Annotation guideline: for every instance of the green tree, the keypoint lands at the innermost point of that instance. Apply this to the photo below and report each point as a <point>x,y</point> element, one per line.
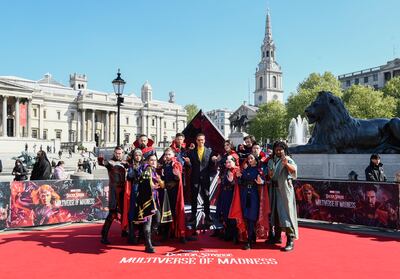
<point>365,103</point>
<point>269,122</point>
<point>392,88</point>
<point>307,91</point>
<point>191,110</point>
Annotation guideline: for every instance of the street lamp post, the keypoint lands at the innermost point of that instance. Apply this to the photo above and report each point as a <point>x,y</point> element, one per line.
<point>118,84</point>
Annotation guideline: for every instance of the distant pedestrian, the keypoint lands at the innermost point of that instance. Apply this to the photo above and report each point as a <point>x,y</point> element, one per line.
<point>59,154</point>
<point>41,148</point>
<point>59,172</point>
<point>70,153</point>
<point>19,171</point>
<point>374,172</point>
<point>80,165</point>
<point>42,168</point>
<point>26,147</point>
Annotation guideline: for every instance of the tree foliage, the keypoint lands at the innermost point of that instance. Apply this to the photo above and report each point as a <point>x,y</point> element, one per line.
<point>191,110</point>
<point>392,88</point>
<point>269,122</point>
<point>365,103</point>
<point>307,91</point>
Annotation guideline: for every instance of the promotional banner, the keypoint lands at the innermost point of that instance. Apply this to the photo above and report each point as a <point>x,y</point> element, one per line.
<point>35,203</point>
<point>4,204</point>
<point>23,114</point>
<point>362,203</point>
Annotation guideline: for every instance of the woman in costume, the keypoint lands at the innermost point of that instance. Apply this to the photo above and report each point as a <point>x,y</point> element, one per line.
<point>148,204</point>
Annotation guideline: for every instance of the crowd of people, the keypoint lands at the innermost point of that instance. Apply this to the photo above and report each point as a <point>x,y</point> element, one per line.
<point>255,196</point>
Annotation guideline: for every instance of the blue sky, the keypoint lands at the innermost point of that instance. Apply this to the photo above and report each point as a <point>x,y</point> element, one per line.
<point>206,51</point>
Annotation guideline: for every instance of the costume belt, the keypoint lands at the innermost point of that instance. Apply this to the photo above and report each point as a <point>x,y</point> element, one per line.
<point>171,184</point>
<point>249,185</point>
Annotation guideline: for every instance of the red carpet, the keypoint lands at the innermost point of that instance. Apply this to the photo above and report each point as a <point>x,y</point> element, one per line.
<point>75,252</point>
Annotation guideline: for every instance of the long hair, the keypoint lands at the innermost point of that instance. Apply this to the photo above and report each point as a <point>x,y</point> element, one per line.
<point>282,145</point>
<point>42,188</point>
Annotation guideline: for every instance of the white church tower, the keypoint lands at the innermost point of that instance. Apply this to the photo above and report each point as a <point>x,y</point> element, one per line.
<point>268,73</point>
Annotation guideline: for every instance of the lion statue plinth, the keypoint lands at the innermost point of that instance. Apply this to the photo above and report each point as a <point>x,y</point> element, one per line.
<point>335,131</point>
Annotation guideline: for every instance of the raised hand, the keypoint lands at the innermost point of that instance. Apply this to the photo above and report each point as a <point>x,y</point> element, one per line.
<point>259,180</point>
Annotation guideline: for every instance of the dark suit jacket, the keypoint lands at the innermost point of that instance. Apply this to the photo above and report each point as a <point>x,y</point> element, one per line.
<point>200,170</point>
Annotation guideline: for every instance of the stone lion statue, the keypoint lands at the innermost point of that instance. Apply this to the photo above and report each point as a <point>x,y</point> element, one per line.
<point>335,131</point>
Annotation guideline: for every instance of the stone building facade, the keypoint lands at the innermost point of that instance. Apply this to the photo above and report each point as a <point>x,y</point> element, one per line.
<point>48,113</point>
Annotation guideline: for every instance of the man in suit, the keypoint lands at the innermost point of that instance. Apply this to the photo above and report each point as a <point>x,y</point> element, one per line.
<point>201,163</point>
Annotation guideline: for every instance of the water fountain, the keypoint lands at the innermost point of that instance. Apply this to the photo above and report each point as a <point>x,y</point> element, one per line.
<point>298,131</point>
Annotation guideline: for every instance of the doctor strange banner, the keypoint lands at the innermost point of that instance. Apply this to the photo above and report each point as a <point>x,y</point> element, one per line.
<point>361,203</point>
<point>35,203</point>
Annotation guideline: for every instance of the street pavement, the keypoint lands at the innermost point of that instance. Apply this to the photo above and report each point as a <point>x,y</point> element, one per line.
<point>71,165</point>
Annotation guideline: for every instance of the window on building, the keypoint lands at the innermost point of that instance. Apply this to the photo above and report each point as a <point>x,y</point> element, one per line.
<point>267,53</point>
<point>34,112</point>
<point>58,134</point>
<point>357,81</point>
<point>153,122</point>
<point>35,133</point>
<point>126,136</point>
<point>275,97</point>
<point>274,81</point>
<point>348,82</point>
<point>137,121</point>
<point>173,125</point>
<point>165,124</point>
<point>365,79</point>
<point>375,77</point>
<point>45,134</point>
<point>375,86</point>
<point>127,121</point>
<point>260,98</point>
<point>45,114</point>
<point>261,85</point>
<point>73,116</point>
<point>387,76</point>
<point>58,115</point>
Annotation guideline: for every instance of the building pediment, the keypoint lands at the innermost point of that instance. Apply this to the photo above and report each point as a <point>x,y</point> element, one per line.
<point>249,111</point>
<point>11,86</point>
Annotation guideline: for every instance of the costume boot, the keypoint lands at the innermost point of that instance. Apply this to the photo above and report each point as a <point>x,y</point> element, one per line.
<point>215,233</point>
<point>289,243</point>
<point>247,246</point>
<point>104,231</point>
<point>147,242</point>
<point>132,236</point>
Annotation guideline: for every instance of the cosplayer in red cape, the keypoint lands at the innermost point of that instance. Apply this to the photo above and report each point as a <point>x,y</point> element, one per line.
<point>149,210</point>
<point>172,177</point>
<point>228,180</point>
<point>131,193</point>
<point>145,145</point>
<point>116,168</point>
<point>250,205</point>
<point>229,151</point>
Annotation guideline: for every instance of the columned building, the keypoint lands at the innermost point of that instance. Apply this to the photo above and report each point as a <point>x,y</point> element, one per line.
<point>375,77</point>
<point>47,113</point>
<point>268,77</point>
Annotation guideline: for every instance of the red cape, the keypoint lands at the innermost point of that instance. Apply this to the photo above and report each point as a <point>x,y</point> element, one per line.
<point>127,199</point>
<point>179,220</point>
<point>262,225</point>
<point>175,148</point>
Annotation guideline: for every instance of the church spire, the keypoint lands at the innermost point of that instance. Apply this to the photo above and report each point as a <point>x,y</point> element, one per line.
<point>268,30</point>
